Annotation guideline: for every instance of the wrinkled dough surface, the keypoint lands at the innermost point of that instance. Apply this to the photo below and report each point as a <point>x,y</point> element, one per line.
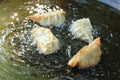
<point>45,40</point>
<point>87,56</point>
<point>82,29</point>
<point>51,18</point>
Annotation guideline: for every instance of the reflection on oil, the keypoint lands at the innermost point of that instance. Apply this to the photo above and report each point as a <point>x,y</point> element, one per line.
<point>19,57</point>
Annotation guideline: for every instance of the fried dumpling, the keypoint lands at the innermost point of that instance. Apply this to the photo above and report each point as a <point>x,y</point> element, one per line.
<point>54,18</point>
<point>46,42</point>
<point>82,29</point>
<point>88,56</point>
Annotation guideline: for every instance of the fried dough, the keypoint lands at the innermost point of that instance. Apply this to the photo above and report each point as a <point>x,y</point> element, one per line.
<point>53,18</point>
<point>87,56</point>
<point>45,40</point>
<point>82,29</point>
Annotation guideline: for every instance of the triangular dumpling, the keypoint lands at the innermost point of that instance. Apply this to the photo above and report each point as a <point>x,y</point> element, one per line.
<point>46,42</point>
<point>52,18</point>
<point>82,29</point>
<point>87,56</point>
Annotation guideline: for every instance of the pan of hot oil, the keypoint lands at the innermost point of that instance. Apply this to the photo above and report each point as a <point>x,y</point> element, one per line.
<point>21,58</point>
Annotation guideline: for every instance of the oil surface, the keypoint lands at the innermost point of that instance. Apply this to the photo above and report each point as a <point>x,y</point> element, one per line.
<point>20,60</point>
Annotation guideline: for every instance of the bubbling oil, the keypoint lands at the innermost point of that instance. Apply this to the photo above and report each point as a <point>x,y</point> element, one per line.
<point>20,57</point>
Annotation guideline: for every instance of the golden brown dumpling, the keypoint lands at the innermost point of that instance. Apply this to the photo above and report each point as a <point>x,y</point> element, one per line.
<point>46,42</point>
<point>82,29</point>
<point>53,18</point>
<point>87,56</point>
